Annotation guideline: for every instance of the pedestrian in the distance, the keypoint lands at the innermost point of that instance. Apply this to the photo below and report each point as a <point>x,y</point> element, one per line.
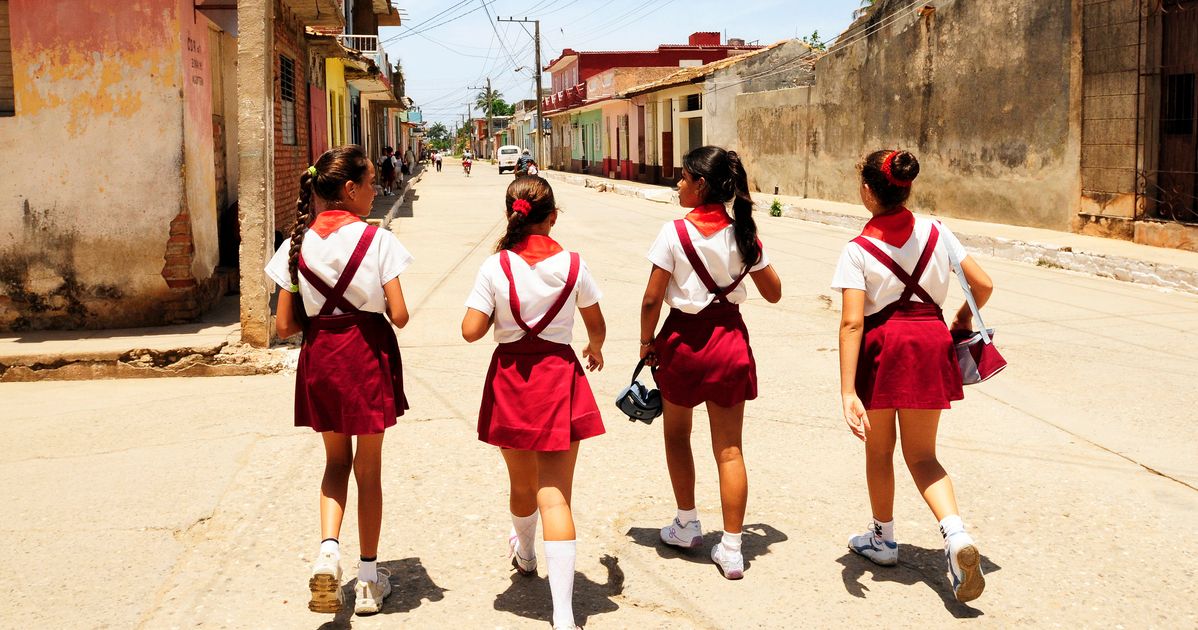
<point>340,281</point>
<point>386,171</point>
<point>537,404</point>
<point>437,159</point>
<point>702,351</point>
<point>897,358</point>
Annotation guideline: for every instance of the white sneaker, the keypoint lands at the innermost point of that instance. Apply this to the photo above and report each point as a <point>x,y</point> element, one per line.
<point>964,567</point>
<point>872,546</point>
<point>369,596</point>
<point>686,536</point>
<point>522,566</point>
<point>730,563</point>
<point>325,585</point>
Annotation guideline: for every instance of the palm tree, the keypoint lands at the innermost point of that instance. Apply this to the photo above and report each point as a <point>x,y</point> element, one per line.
<point>866,5</point>
<point>489,101</point>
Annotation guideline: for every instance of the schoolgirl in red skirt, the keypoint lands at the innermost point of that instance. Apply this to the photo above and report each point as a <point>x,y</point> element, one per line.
<point>898,366</point>
<point>702,352</point>
<point>340,281</point>
<point>537,405</point>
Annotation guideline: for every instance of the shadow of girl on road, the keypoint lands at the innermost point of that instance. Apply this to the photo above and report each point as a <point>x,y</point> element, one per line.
<point>755,542</point>
<point>918,565</point>
<point>530,598</point>
<point>410,586</point>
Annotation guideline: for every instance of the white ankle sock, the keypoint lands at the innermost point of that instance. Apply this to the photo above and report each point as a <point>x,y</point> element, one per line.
<point>525,529</point>
<point>368,571</point>
<point>330,545</point>
<point>688,516</point>
<point>731,542</point>
<point>950,525</point>
<point>560,554</point>
<point>887,529</point>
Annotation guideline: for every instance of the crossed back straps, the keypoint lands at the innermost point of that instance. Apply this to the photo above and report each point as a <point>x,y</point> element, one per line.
<point>910,280</point>
<point>721,295</point>
<point>514,299</point>
<point>334,296</point>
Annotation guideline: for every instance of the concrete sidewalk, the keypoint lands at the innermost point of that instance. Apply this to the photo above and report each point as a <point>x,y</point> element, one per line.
<point>1104,257</point>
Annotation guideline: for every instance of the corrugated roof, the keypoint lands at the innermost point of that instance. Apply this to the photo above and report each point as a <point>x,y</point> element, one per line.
<point>694,73</point>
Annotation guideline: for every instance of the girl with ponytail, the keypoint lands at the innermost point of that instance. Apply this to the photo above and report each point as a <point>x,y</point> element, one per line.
<point>537,404</point>
<point>702,351</point>
<point>339,281</point>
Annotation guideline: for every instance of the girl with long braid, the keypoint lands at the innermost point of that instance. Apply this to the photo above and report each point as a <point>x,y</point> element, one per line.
<point>537,405</point>
<point>702,351</point>
<point>340,286</point>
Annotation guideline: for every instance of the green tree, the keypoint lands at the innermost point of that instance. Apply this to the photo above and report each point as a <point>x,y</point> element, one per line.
<point>438,136</point>
<point>498,107</point>
<point>813,40</point>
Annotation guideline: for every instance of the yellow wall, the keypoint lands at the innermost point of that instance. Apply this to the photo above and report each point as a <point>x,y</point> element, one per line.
<point>338,95</point>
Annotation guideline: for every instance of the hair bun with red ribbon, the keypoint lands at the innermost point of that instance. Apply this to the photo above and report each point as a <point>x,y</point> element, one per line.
<point>887,166</point>
<point>522,206</point>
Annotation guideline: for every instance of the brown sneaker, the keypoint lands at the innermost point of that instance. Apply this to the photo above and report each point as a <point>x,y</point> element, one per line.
<point>325,585</point>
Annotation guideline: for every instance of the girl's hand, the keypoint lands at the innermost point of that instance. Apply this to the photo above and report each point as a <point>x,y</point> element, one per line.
<point>855,416</point>
<point>594,356</point>
<point>963,321</point>
<point>648,355</point>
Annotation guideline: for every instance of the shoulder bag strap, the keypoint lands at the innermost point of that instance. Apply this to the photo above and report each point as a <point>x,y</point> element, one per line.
<point>973,305</point>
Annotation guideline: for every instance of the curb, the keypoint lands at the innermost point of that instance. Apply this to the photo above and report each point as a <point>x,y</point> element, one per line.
<point>220,360</point>
<point>1039,254</point>
<point>400,199</point>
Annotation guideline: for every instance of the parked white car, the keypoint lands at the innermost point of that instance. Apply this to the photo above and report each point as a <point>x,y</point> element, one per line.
<point>508,154</point>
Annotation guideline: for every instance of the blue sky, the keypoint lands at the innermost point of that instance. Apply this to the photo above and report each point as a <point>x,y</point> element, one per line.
<point>443,55</point>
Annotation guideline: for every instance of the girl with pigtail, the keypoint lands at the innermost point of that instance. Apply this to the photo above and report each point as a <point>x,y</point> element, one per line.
<point>340,287</point>
<point>702,352</point>
<point>537,404</point>
<point>898,367</point>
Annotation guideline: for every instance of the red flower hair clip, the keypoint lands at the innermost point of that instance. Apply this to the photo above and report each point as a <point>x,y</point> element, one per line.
<point>522,206</point>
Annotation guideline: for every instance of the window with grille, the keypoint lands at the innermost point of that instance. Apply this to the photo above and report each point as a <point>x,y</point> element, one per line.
<point>694,102</point>
<point>287,94</point>
<point>7,96</point>
<point>1177,111</point>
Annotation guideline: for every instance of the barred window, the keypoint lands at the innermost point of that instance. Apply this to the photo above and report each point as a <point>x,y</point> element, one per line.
<point>287,94</point>
<point>7,96</point>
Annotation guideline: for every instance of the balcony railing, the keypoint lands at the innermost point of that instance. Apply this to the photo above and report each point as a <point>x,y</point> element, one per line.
<point>569,97</point>
<point>365,44</point>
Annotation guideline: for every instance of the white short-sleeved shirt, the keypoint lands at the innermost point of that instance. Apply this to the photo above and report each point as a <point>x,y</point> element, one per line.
<point>858,269</point>
<point>686,292</point>
<point>385,259</point>
<point>538,287</point>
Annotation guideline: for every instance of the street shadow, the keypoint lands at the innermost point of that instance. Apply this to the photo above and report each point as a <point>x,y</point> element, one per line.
<point>917,566</point>
<point>529,596</point>
<point>407,208</point>
<point>410,587</point>
<point>755,541</point>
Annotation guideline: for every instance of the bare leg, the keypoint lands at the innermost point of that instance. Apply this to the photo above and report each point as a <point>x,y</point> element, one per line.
<point>369,477</point>
<point>918,428</point>
<point>522,477</point>
<point>726,428</point>
<point>555,479</point>
<point>338,462</point>
<point>879,463</point>
<point>680,461</point>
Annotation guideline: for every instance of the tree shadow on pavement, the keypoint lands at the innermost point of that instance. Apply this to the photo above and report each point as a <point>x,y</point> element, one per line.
<point>918,565</point>
<point>755,542</point>
<point>529,596</point>
<point>410,586</point>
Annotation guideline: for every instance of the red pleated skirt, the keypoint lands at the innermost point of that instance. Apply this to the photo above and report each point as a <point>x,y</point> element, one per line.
<point>350,376</point>
<point>907,360</point>
<point>705,357</point>
<point>537,398</point>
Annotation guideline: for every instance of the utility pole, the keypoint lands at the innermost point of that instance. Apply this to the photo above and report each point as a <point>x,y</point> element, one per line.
<point>490,100</point>
<point>540,133</point>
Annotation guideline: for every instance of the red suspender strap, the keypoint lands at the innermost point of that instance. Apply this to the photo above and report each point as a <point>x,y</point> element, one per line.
<point>335,296</point>
<point>700,268</point>
<point>910,280</point>
<point>514,299</point>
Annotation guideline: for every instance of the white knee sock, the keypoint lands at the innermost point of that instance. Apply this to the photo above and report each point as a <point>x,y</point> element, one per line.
<point>525,529</point>
<point>560,554</point>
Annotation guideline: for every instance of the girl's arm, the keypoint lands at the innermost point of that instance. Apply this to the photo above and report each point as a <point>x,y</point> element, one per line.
<point>768,284</point>
<point>475,325</point>
<point>286,323</point>
<point>852,324</point>
<point>596,334</point>
<point>982,287</point>
<point>655,294</point>
<point>397,309</point>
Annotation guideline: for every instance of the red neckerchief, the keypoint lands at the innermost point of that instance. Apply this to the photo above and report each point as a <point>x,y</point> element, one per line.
<point>330,221</point>
<point>536,248</point>
<point>709,218</point>
<point>893,228</point>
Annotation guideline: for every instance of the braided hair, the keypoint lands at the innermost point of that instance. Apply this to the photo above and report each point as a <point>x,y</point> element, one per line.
<point>727,181</point>
<point>324,180</point>
<point>538,195</point>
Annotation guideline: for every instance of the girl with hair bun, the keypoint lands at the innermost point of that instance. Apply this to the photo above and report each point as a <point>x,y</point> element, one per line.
<point>537,404</point>
<point>702,351</point>
<point>897,358</point>
<point>339,280</point>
